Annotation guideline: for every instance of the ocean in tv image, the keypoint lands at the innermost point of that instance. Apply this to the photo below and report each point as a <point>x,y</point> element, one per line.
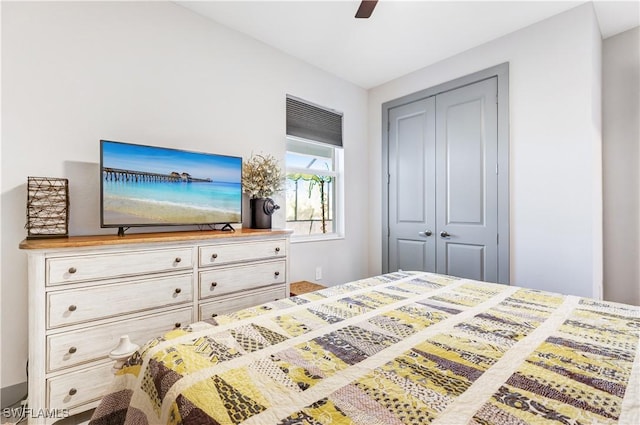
<point>150,185</point>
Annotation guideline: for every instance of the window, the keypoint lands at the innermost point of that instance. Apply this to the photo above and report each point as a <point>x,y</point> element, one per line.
<point>314,171</point>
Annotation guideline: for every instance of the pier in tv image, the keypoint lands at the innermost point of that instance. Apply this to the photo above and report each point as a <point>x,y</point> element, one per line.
<point>149,185</point>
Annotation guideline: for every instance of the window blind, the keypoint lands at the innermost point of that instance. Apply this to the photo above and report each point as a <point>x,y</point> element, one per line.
<point>311,122</point>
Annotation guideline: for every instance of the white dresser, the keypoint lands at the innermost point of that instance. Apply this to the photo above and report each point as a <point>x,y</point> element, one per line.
<point>87,291</point>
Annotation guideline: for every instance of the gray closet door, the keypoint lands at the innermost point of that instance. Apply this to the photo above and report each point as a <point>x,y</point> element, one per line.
<point>412,186</point>
<point>443,188</point>
<point>467,181</point>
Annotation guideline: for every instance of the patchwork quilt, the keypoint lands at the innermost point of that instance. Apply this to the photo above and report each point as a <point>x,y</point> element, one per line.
<point>401,348</point>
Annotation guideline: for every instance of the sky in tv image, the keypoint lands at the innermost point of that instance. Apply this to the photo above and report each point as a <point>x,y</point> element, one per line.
<point>158,160</point>
<point>145,196</point>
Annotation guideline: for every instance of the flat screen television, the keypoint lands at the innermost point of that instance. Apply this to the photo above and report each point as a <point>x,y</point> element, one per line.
<point>155,186</point>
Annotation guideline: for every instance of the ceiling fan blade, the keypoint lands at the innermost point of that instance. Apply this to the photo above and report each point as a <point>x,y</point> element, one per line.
<point>366,8</point>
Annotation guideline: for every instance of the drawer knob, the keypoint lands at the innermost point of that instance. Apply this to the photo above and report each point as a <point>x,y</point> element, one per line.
<point>214,314</point>
<point>178,259</point>
<point>72,307</point>
<point>178,290</point>
<point>72,270</point>
<point>73,391</point>
<point>277,274</point>
<point>277,249</point>
<point>214,284</point>
<point>72,350</point>
<point>214,256</point>
<point>178,325</point>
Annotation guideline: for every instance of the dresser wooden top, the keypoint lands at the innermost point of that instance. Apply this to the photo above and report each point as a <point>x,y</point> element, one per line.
<point>134,238</point>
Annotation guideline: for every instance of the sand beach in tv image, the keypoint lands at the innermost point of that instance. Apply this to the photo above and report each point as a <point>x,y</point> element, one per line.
<point>144,185</point>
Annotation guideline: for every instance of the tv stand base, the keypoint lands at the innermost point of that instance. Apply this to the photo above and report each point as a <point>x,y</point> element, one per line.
<point>228,228</point>
<point>121,231</point>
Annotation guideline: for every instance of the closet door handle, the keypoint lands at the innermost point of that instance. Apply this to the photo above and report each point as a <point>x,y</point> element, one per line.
<point>426,233</point>
<point>444,234</point>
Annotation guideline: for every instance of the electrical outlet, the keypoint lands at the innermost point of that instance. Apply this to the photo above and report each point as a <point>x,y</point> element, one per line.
<point>318,273</point>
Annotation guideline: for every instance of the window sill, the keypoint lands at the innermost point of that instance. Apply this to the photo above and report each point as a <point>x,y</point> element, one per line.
<point>316,238</point>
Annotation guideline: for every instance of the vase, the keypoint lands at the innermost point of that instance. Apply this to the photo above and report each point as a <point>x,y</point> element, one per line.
<point>261,211</point>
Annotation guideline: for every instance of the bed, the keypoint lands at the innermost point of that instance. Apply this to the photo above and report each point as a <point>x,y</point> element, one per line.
<point>401,348</point>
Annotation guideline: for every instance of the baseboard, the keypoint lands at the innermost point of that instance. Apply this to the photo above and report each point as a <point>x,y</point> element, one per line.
<point>13,394</point>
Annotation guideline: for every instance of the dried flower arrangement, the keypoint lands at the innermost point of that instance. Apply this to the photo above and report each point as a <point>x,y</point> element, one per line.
<point>261,176</point>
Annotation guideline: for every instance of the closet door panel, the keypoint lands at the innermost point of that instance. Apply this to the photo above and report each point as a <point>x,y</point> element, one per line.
<point>466,181</point>
<point>411,186</point>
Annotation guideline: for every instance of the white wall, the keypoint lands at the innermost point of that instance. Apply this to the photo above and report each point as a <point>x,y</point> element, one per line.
<point>2,402</point>
<point>621,159</point>
<point>555,194</point>
<point>150,73</point>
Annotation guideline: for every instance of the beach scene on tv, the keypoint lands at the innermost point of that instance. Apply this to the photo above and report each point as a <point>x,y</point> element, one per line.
<point>146,185</point>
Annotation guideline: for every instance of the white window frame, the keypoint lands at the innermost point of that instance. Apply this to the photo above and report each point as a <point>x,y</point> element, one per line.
<point>338,192</point>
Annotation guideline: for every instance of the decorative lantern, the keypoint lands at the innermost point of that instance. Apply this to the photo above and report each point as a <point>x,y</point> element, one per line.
<point>47,207</point>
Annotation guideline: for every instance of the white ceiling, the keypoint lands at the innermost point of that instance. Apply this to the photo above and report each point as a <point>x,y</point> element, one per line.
<point>400,37</point>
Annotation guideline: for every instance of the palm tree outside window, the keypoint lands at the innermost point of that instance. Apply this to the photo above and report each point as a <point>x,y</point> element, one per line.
<point>313,175</point>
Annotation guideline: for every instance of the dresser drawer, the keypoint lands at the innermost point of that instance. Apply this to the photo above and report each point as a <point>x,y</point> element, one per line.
<point>75,269</point>
<point>225,280</point>
<point>230,253</point>
<point>80,305</point>
<point>212,309</point>
<point>76,347</point>
<point>77,388</point>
